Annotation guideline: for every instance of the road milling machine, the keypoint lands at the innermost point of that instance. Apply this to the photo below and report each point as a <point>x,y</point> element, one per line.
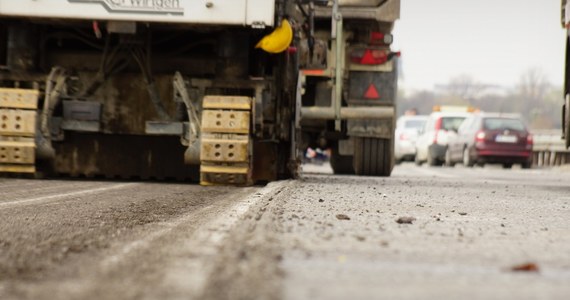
<point>220,91</point>
<point>565,21</point>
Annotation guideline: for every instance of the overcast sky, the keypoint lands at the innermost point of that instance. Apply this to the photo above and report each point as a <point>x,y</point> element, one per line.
<point>492,40</point>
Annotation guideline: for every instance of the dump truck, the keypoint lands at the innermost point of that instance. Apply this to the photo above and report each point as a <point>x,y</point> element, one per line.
<point>219,91</point>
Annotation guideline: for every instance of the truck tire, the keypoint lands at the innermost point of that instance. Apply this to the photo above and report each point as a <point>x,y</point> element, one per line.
<point>417,160</point>
<point>341,164</point>
<point>373,156</point>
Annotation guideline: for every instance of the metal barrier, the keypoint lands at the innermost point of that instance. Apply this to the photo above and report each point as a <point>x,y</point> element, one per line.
<point>548,149</point>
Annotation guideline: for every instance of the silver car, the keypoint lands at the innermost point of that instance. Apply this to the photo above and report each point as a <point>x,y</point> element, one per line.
<point>440,127</point>
<point>407,129</point>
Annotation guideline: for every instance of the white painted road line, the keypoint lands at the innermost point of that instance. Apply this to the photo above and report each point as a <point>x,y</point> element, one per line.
<point>64,195</point>
<point>432,172</point>
<point>186,274</point>
<point>212,233</point>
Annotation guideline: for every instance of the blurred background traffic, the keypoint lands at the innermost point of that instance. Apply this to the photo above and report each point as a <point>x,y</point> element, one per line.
<point>507,67</point>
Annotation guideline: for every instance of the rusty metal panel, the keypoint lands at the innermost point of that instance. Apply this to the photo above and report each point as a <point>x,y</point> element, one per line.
<point>84,126</point>
<point>18,98</point>
<point>16,122</point>
<point>227,102</point>
<point>81,110</point>
<point>383,128</point>
<point>12,152</point>
<point>164,128</point>
<point>265,161</point>
<point>232,149</point>
<point>225,121</point>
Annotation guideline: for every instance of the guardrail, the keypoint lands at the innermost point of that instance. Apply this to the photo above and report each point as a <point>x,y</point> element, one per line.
<point>548,149</point>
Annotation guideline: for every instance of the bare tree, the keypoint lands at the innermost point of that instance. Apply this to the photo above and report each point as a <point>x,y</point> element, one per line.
<point>464,87</point>
<point>533,85</point>
<point>531,90</point>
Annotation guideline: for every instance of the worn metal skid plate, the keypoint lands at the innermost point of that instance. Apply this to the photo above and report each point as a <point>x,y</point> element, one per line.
<point>225,141</point>
<point>17,122</point>
<point>17,130</point>
<point>224,148</point>
<point>212,174</point>
<point>18,98</point>
<point>11,168</point>
<point>223,121</point>
<point>13,152</point>
<point>227,102</point>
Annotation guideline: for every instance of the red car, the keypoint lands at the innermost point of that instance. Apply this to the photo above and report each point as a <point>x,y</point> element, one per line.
<point>491,138</point>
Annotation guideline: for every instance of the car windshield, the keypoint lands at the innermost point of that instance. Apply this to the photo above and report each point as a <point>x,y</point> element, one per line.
<point>503,124</point>
<point>414,124</point>
<point>451,123</point>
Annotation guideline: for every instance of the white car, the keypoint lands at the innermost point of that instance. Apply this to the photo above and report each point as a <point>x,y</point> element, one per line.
<point>434,137</point>
<point>407,129</point>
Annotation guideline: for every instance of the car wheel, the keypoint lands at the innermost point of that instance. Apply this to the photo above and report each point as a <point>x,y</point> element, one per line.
<point>507,166</point>
<point>432,161</point>
<point>526,165</point>
<point>467,161</point>
<point>417,160</point>
<point>448,161</point>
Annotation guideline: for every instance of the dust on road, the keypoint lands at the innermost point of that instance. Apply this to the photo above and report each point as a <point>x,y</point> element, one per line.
<point>424,233</point>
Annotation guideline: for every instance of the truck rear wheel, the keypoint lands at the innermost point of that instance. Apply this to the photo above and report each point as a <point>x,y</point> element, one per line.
<point>341,164</point>
<point>373,156</point>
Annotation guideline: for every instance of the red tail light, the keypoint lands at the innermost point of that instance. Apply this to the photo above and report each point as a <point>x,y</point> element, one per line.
<point>371,92</point>
<point>403,137</point>
<point>369,56</point>
<point>438,124</point>
<point>480,136</point>
<point>529,140</point>
<point>379,38</point>
<point>437,129</point>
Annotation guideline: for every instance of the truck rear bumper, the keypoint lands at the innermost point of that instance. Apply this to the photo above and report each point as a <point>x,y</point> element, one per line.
<point>347,113</point>
<point>389,11</point>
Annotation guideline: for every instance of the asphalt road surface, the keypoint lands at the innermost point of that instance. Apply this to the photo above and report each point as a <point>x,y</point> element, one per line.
<point>424,233</point>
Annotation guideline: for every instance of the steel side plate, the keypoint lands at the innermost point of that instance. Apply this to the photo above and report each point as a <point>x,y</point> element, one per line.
<point>18,98</point>
<point>223,121</point>
<point>17,122</point>
<point>227,102</point>
<point>224,150</point>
